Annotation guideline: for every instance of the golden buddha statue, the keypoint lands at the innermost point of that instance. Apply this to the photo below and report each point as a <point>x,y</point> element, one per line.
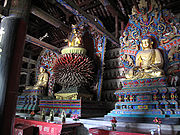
<point>42,80</point>
<point>74,38</point>
<point>75,44</point>
<point>149,62</point>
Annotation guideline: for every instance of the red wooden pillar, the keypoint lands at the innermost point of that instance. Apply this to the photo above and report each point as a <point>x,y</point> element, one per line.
<point>12,38</point>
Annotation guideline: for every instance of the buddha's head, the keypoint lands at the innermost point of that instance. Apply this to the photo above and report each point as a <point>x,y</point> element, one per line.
<point>74,28</point>
<point>42,69</point>
<point>146,43</point>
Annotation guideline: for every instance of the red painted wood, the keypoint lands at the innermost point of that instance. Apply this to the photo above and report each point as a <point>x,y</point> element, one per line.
<point>46,128</point>
<point>23,130</point>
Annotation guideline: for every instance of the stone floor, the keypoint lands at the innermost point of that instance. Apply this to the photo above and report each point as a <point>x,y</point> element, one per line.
<point>99,122</point>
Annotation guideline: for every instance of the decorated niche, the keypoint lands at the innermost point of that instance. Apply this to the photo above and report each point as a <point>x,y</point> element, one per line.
<point>46,59</point>
<point>160,26</point>
<point>73,69</point>
<point>74,65</point>
<point>146,46</point>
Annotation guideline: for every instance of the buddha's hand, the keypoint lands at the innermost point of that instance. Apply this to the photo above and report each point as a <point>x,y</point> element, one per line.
<point>149,66</point>
<point>136,68</point>
<point>155,65</point>
<point>66,40</point>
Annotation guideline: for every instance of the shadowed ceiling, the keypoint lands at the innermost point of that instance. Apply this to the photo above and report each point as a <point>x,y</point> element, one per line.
<point>111,12</point>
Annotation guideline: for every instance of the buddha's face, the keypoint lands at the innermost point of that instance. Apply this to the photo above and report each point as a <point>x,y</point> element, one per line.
<point>74,31</point>
<point>41,69</point>
<point>146,43</point>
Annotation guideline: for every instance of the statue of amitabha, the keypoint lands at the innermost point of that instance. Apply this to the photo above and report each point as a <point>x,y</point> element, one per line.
<point>149,62</point>
<point>42,80</point>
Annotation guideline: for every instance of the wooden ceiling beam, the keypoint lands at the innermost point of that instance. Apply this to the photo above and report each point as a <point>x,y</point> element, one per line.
<point>28,60</point>
<point>122,7</point>
<point>92,22</point>
<point>67,12</point>
<point>112,9</point>
<point>90,6</point>
<point>42,44</point>
<point>172,4</point>
<point>48,18</point>
<point>46,26</point>
<point>102,10</point>
<point>115,13</point>
<point>87,2</point>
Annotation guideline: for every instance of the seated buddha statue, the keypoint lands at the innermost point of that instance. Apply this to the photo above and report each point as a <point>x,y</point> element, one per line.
<point>42,80</point>
<point>74,38</point>
<point>149,62</point>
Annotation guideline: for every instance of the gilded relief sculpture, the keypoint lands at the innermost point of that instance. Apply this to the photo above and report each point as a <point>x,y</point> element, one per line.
<point>173,51</point>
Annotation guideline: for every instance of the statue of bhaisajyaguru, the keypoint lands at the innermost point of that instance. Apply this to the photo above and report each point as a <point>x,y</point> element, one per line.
<point>149,62</point>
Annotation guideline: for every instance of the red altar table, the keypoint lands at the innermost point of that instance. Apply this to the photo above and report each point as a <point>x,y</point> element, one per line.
<point>46,128</point>
<point>118,131</point>
<point>20,129</point>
